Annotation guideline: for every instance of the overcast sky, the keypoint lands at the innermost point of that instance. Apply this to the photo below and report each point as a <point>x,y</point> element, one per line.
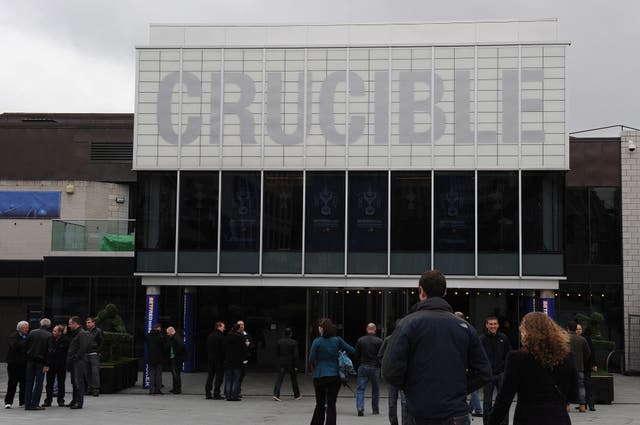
<point>78,55</point>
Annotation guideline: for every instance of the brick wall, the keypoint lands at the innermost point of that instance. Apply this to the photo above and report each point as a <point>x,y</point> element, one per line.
<point>631,246</point>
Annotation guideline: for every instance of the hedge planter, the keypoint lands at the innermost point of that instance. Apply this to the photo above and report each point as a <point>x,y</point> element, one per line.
<point>118,375</point>
<point>602,388</point>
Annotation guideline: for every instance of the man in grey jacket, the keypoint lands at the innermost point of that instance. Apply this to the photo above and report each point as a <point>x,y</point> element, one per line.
<point>93,356</point>
<point>77,361</point>
<point>580,349</point>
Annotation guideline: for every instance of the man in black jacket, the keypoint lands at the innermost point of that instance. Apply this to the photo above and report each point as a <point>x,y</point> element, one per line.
<point>435,357</point>
<point>158,353</point>
<point>497,346</point>
<point>287,353</point>
<point>93,376</point>
<point>177,354</point>
<point>367,348</point>
<point>77,361</point>
<point>235,353</point>
<point>39,343</point>
<point>16,363</point>
<point>57,366</point>
<point>215,362</point>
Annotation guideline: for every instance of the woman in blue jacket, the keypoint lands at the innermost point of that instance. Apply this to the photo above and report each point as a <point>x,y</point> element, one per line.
<point>326,380</point>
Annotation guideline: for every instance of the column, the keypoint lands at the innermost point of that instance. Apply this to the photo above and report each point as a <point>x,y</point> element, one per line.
<point>152,311</point>
<point>188,315</point>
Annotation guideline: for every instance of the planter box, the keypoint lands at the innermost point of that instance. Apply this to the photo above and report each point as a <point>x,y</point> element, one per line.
<point>602,388</point>
<point>118,376</point>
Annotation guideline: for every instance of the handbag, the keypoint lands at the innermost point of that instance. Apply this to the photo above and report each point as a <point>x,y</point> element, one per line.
<point>345,366</point>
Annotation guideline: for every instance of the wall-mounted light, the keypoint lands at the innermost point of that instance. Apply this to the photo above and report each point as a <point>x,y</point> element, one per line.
<point>120,199</point>
<point>70,188</point>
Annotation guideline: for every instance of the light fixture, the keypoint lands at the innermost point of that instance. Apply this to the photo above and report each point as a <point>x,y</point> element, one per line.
<point>70,188</point>
<point>120,199</point>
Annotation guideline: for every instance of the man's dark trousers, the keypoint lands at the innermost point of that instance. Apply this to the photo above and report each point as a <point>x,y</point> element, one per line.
<point>214,370</point>
<point>33,381</point>
<point>16,376</point>
<point>58,373</point>
<point>294,380</point>
<point>487,402</point>
<point>78,372</point>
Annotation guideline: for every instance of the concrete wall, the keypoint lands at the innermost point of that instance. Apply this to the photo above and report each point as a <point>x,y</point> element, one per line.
<point>30,239</point>
<point>631,249</point>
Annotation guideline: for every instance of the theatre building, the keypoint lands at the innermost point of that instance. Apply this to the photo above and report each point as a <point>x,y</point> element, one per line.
<point>287,173</point>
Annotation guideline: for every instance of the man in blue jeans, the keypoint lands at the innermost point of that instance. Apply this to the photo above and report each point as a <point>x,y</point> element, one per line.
<point>367,349</point>
<point>39,343</point>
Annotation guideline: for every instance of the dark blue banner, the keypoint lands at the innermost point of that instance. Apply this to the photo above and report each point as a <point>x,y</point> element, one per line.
<point>22,204</point>
<point>368,201</point>
<point>454,210</point>
<point>240,211</point>
<point>325,212</point>
<point>187,325</point>
<point>152,314</point>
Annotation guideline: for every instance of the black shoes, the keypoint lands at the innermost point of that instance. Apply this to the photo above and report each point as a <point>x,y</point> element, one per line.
<point>35,408</point>
<point>75,406</point>
<point>360,412</point>
<point>592,408</point>
<point>46,404</point>
<point>218,397</point>
<point>96,393</point>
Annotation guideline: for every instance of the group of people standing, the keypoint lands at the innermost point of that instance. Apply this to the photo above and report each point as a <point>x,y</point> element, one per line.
<point>41,352</point>
<point>434,359</point>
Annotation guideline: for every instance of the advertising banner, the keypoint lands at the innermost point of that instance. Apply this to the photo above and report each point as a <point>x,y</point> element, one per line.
<point>151,317</point>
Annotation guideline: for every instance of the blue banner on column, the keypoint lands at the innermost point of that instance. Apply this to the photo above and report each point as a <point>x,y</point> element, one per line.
<point>188,314</point>
<point>548,307</point>
<point>151,317</point>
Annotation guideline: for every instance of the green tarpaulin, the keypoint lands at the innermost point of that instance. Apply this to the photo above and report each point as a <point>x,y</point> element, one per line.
<point>117,242</point>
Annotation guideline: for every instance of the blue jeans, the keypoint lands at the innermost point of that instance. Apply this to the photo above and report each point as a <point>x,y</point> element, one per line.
<point>366,373</point>
<point>474,402</point>
<point>407,419</point>
<point>582,394</point>
<point>232,383</point>
<point>33,388</point>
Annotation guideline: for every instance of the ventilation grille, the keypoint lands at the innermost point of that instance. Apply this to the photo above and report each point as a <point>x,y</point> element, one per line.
<point>109,151</point>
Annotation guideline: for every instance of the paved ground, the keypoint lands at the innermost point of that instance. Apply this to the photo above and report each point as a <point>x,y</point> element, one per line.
<point>135,407</point>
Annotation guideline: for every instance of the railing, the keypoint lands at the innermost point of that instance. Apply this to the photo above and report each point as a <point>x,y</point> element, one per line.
<point>95,236</point>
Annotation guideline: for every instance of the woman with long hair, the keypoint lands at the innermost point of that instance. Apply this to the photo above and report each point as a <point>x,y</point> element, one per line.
<point>326,380</point>
<point>543,373</point>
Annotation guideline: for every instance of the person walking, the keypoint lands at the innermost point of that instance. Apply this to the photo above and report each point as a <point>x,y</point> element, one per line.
<point>57,366</point>
<point>177,354</point>
<point>77,361</point>
<point>157,352</point>
<point>16,364</point>
<point>367,348</point>
<point>475,407</point>
<point>393,393</point>
<point>215,362</point>
<point>497,346</point>
<point>589,367</point>
<point>39,344</point>
<point>287,353</point>
<point>436,358</point>
<point>323,355</point>
<point>580,349</point>
<point>235,353</point>
<point>95,346</point>
<point>543,373</point>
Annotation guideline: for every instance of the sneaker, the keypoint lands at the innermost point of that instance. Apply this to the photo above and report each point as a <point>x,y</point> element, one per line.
<point>298,398</point>
<point>360,412</point>
<point>7,406</point>
<point>477,414</point>
<point>276,398</point>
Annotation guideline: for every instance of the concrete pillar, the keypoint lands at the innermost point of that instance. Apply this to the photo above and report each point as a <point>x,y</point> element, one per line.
<point>188,318</point>
<point>152,312</point>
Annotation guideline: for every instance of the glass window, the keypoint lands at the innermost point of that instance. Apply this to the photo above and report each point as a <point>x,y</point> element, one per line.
<point>368,222</point>
<point>605,228</point>
<point>240,232</point>
<point>410,222</point>
<point>324,228</point>
<point>282,222</point>
<point>454,223</point>
<point>498,223</point>
<point>576,228</point>
<point>542,210</point>
<point>156,222</point>
<point>198,229</point>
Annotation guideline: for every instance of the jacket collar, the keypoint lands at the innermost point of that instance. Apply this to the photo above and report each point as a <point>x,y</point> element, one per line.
<point>435,303</point>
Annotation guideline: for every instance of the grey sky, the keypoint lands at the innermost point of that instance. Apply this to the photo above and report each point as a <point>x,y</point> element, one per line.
<point>78,55</point>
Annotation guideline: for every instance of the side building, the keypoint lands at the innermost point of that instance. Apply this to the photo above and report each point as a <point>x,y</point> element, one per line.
<point>66,188</point>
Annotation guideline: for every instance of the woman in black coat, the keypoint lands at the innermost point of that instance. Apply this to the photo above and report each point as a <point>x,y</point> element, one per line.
<point>542,372</point>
